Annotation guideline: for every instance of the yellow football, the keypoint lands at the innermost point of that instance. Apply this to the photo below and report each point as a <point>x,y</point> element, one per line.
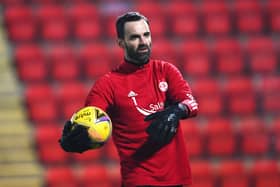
<point>96,120</point>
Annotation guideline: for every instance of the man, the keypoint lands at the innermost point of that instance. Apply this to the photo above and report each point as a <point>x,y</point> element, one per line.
<point>145,99</point>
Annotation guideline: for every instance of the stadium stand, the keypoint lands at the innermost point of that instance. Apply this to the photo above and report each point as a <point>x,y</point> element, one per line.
<point>203,174</point>
<point>228,50</point>
<point>233,173</point>
<point>265,173</point>
<point>220,138</point>
<point>194,139</point>
<point>19,166</point>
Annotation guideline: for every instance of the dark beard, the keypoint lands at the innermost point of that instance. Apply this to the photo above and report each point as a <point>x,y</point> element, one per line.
<point>138,58</point>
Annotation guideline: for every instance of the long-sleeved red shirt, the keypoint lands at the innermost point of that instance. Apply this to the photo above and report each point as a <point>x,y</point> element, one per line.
<point>130,93</point>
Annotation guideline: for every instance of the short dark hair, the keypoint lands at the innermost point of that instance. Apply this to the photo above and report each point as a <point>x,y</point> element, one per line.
<point>129,16</point>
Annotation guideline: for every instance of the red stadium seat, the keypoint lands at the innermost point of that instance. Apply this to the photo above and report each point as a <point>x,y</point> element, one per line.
<point>179,8</point>
<point>95,68</point>
<point>33,71</point>
<point>50,12</point>
<point>275,133</point>
<point>156,18</point>
<point>65,70</point>
<point>266,173</point>
<point>12,3</point>
<point>70,107</point>
<point>48,148</point>
<point>216,18</point>
<point>35,93</point>
<point>96,60</point>
<point>85,18</point>
<point>70,91</point>
<point>83,11</point>
<point>233,173</point>
<point>196,65</point>
<point>262,55</point>
<point>59,176</point>
<point>47,134</point>
<point>20,22</point>
<point>55,30</point>
<point>194,138</point>
<point>207,91</point>
<point>31,63</point>
<point>28,52</point>
<point>259,44</point>
<point>185,26</point>
<point>269,84</point>
<point>206,86</point>
<point>238,85</point>
<point>148,9</point>
<point>23,31</point>
<point>196,60</point>
<point>41,103</point>
<point>229,57</point>
<point>87,30</point>
<point>158,27</point>
<point>273,7</point>
<point>63,64</point>
<point>275,22</point>
<point>183,18</point>
<point>224,46</point>
<point>95,174</point>
<point>92,51</point>
<point>165,50</point>
<point>17,14</point>
<point>248,16</point>
<point>254,130</point>
<point>203,174</point>
<point>44,111</point>
<point>243,105</point>
<point>109,27</point>
<point>220,138</point>
<point>71,97</point>
<point>211,105</point>
<point>61,52</point>
<point>52,154</point>
<point>49,124</point>
<point>271,104</point>
<point>43,2</point>
<point>54,23</point>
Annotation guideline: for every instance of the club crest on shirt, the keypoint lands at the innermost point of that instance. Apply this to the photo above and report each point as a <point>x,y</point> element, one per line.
<point>163,86</point>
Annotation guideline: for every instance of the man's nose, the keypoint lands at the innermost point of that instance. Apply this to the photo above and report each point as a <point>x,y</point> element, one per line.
<point>143,40</point>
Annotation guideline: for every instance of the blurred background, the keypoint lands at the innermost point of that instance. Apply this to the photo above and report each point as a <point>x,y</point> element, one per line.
<point>52,51</point>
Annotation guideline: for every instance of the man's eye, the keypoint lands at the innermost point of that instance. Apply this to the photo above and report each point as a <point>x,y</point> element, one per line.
<point>147,34</point>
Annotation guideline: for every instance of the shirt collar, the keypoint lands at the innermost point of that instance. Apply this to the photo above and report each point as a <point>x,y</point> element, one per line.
<point>127,67</point>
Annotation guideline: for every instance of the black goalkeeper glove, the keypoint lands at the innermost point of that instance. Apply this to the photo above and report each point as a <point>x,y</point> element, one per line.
<point>165,123</point>
<point>76,139</point>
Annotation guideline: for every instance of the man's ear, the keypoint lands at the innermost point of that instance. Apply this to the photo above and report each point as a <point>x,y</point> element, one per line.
<point>120,43</point>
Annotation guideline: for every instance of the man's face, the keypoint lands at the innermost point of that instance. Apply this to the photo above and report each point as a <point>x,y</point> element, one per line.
<point>137,42</point>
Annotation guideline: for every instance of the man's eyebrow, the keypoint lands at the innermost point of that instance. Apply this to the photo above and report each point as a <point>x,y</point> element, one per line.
<point>134,35</point>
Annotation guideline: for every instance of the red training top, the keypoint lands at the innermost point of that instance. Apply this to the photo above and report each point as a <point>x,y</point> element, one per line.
<point>130,93</point>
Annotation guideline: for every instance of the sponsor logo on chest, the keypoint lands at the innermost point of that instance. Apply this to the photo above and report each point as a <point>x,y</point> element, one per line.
<point>153,107</point>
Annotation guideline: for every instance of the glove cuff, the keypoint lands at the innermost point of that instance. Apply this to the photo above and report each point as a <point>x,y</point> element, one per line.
<point>191,105</point>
